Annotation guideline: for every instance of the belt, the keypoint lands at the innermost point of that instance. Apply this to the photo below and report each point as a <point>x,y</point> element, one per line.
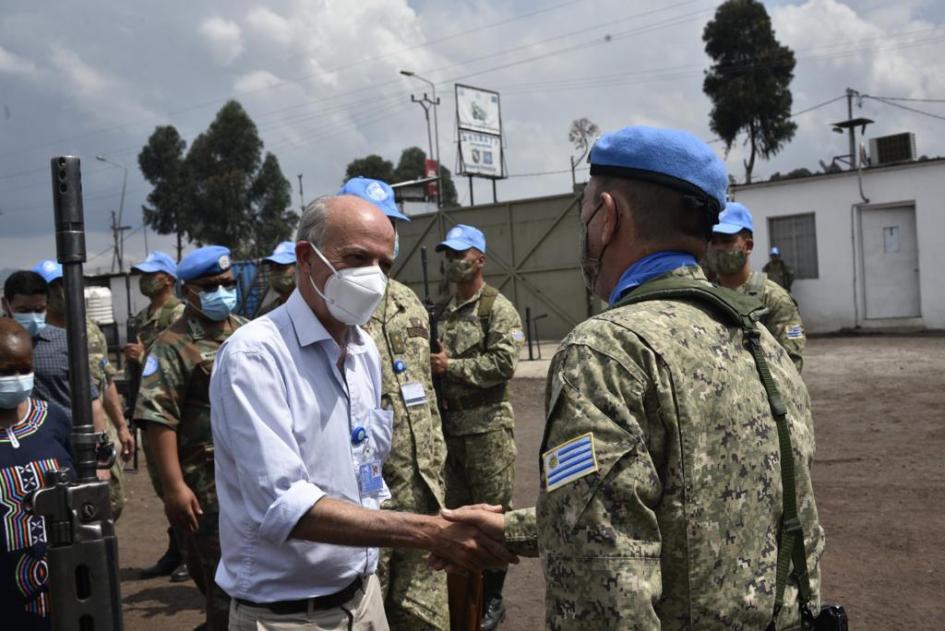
<point>480,399</point>
<point>286,607</point>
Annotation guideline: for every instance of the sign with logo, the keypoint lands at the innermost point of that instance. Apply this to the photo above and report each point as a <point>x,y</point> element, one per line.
<point>478,110</point>
<point>480,154</point>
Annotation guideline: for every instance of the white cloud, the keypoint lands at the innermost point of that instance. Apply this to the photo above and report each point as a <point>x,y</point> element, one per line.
<point>11,63</point>
<point>224,39</point>
<point>257,80</point>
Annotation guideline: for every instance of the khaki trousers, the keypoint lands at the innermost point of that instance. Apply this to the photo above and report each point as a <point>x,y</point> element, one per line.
<point>364,612</point>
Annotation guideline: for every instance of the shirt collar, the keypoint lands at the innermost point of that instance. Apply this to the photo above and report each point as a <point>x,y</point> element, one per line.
<point>310,330</point>
<point>647,268</point>
<point>46,332</point>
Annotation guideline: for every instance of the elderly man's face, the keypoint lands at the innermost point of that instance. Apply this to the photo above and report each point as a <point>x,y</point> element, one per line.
<point>356,235</point>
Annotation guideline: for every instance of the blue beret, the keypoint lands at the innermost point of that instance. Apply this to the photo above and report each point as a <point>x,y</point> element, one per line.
<point>206,261</point>
<point>670,157</point>
<point>377,192</point>
<point>284,254</point>
<point>462,238</point>
<point>734,219</point>
<point>49,270</point>
<point>157,262</point>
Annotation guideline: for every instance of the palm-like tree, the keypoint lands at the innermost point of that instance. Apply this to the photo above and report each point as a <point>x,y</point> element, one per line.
<point>580,134</point>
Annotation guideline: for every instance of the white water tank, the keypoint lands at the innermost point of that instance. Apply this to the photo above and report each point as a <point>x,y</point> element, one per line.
<point>98,305</point>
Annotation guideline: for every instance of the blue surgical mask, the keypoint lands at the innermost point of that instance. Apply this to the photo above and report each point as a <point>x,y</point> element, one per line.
<point>32,322</point>
<point>396,243</point>
<point>14,389</point>
<point>218,304</point>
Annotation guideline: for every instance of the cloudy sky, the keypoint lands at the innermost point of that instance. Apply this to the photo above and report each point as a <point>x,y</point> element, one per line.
<point>320,78</point>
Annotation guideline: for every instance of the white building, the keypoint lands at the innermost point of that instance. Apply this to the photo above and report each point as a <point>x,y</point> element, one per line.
<point>868,251</point>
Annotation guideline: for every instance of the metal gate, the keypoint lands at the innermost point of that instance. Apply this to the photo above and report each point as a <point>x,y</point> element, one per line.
<point>532,256</point>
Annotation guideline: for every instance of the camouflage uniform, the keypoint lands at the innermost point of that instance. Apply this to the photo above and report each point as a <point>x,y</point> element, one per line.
<point>103,373</point>
<point>479,421</point>
<point>414,596</point>
<point>783,319</point>
<point>147,327</point>
<point>675,525</point>
<point>272,305</point>
<point>175,393</point>
<point>779,272</point>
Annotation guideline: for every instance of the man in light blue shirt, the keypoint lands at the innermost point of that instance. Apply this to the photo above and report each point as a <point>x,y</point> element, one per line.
<point>300,439</point>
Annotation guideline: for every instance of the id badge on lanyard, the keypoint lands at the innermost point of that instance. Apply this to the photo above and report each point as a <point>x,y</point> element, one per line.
<point>367,466</point>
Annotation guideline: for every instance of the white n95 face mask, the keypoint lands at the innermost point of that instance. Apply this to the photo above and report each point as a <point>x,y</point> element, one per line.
<point>351,294</point>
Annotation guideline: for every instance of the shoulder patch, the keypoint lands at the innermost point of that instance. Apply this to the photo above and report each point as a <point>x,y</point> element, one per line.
<point>795,332</point>
<point>569,461</point>
<point>150,366</point>
<point>518,335</point>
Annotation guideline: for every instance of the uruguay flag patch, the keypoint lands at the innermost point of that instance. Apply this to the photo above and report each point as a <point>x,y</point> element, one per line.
<point>569,461</point>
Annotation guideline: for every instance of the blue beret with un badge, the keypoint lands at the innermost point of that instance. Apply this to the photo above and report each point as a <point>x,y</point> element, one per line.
<point>206,261</point>
<point>669,157</point>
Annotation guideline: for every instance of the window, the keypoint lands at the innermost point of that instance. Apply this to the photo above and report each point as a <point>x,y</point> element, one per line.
<point>796,236</point>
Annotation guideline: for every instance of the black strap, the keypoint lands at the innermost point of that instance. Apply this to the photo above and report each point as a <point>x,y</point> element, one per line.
<point>743,311</point>
<point>484,310</point>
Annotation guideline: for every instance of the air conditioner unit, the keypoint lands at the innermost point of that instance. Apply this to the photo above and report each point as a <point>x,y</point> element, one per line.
<point>890,149</point>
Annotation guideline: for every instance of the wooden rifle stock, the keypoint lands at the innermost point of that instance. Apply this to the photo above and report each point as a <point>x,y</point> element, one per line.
<point>465,597</point>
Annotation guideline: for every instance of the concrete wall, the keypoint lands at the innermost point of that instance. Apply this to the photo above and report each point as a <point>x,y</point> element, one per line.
<point>835,299</point>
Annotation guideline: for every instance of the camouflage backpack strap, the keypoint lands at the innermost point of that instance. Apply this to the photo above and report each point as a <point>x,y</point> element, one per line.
<point>756,283</point>
<point>484,312</point>
<point>743,311</point>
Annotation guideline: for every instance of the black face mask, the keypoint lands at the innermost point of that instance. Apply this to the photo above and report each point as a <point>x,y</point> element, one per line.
<point>590,265</point>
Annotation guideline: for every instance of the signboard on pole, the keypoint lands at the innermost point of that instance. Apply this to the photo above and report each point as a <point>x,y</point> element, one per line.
<point>481,154</point>
<point>479,129</point>
<point>478,110</point>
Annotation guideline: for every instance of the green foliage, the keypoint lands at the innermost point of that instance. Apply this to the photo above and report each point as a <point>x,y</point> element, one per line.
<point>749,80</point>
<point>580,133</point>
<point>223,191</point>
<point>411,166</point>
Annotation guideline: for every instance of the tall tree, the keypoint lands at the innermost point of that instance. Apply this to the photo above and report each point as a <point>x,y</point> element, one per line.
<point>372,166</point>
<point>749,80</point>
<point>412,166</point>
<point>223,191</point>
<point>162,164</point>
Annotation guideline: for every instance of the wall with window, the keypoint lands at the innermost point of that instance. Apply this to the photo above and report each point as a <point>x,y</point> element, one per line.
<point>816,221</point>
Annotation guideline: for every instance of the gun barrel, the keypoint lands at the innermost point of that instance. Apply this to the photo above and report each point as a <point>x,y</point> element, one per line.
<point>426,278</point>
<point>70,252</point>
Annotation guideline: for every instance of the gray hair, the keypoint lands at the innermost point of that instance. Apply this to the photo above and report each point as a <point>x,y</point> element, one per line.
<point>314,221</point>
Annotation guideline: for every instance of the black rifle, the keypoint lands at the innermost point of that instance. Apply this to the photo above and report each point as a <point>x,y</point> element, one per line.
<point>82,548</point>
<point>433,312</point>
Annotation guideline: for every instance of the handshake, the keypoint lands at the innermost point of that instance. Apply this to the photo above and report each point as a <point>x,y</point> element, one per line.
<point>469,539</point>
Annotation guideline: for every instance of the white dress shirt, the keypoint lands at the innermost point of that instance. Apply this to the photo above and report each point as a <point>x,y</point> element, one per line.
<point>282,416</point>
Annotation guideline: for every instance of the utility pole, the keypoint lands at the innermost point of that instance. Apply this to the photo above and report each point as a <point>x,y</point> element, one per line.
<point>434,102</point>
<point>301,195</point>
<point>852,132</point>
<point>118,238</point>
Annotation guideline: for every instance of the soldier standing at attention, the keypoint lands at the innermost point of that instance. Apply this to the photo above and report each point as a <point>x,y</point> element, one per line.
<point>158,275</point>
<point>174,405</point>
<point>480,338</point>
<point>662,502</point>
<point>779,271</point>
<point>414,595</point>
<point>728,255</point>
<point>281,264</point>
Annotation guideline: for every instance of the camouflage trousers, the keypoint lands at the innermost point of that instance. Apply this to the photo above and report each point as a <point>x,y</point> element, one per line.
<point>116,484</point>
<point>480,468</point>
<point>414,595</point>
<point>203,556</point>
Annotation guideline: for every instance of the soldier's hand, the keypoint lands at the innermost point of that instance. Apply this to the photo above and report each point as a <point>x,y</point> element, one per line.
<point>182,508</point>
<point>486,517</point>
<point>134,351</point>
<point>465,547</point>
<point>103,474</point>
<point>127,442</point>
<point>438,361</point>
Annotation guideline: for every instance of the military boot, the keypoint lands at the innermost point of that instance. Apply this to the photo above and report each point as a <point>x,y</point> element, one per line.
<point>493,609</point>
<point>168,563</point>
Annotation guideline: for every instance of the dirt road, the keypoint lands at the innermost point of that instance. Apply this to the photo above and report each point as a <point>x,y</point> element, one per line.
<point>879,405</point>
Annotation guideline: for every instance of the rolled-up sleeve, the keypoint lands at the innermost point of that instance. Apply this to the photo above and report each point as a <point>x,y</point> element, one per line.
<point>252,427</point>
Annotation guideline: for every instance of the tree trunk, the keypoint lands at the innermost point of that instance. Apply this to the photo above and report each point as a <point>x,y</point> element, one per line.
<point>750,164</point>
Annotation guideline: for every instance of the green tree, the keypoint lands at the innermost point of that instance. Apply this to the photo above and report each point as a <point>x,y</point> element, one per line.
<point>270,198</point>
<point>162,164</point>
<point>749,80</point>
<point>373,166</point>
<point>411,166</point>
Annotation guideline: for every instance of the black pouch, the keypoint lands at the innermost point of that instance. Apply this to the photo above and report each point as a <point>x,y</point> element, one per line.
<point>832,617</point>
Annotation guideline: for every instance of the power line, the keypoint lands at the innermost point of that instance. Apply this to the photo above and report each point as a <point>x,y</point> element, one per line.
<point>899,98</point>
<point>904,107</point>
<point>819,105</point>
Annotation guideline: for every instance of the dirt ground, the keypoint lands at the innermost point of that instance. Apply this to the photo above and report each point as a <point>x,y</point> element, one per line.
<point>879,476</point>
